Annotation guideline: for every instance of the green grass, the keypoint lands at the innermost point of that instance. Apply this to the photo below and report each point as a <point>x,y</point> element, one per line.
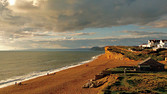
<point>158,55</point>
<point>131,82</point>
<point>117,69</point>
<point>138,83</point>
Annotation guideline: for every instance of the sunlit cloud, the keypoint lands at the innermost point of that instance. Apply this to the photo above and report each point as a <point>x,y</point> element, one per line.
<point>12,2</point>
<point>158,24</point>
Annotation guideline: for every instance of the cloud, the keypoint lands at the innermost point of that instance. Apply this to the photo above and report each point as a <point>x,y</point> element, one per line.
<point>73,15</point>
<point>68,38</point>
<point>158,24</point>
<point>144,33</point>
<point>82,34</point>
<point>72,43</point>
<point>29,19</point>
<point>86,43</point>
<point>108,13</point>
<point>76,34</point>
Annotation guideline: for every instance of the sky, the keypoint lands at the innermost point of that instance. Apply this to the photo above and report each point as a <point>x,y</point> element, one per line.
<point>70,24</point>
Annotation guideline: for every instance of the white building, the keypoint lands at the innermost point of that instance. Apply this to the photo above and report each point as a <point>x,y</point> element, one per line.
<point>156,44</point>
<point>162,44</point>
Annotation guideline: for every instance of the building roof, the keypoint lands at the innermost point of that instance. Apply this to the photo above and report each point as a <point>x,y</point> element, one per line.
<point>150,61</point>
<point>164,40</point>
<point>144,44</point>
<point>158,40</point>
<point>154,40</point>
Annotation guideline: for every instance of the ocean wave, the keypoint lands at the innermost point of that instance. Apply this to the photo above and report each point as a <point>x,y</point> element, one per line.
<point>11,81</point>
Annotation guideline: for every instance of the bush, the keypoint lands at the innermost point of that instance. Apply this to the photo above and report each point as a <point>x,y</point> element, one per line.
<point>131,82</point>
<point>161,89</point>
<point>160,58</point>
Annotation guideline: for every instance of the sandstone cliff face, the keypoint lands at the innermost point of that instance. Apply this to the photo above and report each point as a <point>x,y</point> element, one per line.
<point>114,55</point>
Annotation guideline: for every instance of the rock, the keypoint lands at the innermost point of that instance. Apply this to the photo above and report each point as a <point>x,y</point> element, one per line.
<point>19,83</point>
<point>93,84</point>
<point>90,84</point>
<point>99,76</point>
<point>87,85</point>
<point>100,83</point>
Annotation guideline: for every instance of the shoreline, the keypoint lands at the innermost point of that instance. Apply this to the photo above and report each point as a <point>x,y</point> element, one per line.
<point>23,78</point>
<point>68,81</point>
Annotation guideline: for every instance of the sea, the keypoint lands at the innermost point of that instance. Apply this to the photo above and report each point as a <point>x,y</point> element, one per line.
<point>18,66</point>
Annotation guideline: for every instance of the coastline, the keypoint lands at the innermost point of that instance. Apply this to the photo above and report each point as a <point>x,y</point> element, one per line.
<point>11,81</point>
<point>68,81</point>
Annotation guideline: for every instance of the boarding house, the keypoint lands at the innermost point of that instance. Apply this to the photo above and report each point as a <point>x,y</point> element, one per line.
<point>150,64</point>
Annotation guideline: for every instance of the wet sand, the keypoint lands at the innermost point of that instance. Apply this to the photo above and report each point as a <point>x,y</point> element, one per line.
<point>69,81</point>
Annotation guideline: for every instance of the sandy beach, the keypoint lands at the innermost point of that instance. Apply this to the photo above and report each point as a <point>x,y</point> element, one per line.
<point>69,81</point>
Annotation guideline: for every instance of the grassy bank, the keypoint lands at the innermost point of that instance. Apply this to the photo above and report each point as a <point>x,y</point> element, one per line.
<point>137,83</point>
<point>136,53</point>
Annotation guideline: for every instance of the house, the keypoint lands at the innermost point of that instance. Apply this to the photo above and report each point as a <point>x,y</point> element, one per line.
<point>162,44</point>
<point>156,44</point>
<point>151,65</point>
<point>145,45</point>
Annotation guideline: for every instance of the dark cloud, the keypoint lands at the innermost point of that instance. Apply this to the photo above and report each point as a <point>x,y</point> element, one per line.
<point>72,15</point>
<point>105,13</point>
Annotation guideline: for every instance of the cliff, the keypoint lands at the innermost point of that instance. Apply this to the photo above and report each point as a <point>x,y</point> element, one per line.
<point>134,53</point>
<point>113,55</point>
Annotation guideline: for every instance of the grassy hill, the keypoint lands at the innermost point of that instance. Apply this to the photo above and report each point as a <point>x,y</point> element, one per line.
<point>137,83</point>
<point>136,53</point>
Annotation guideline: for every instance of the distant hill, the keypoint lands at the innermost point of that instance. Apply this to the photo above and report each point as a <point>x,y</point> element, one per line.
<point>97,48</point>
